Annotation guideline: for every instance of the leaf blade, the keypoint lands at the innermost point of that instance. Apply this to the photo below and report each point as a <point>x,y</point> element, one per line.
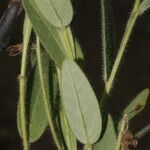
<point>48,34</point>
<point>109,139</point>
<point>80,104</point>
<point>137,105</point>
<point>37,118</point>
<point>59,12</point>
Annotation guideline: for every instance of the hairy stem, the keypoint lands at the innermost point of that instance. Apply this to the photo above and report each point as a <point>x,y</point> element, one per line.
<point>107,38</point>
<point>129,27</point>
<point>104,43</point>
<point>123,127</point>
<point>22,83</point>
<point>45,97</point>
<point>128,31</point>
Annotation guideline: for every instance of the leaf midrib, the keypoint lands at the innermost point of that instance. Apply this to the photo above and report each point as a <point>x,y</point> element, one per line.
<point>82,116</point>
<point>38,13</point>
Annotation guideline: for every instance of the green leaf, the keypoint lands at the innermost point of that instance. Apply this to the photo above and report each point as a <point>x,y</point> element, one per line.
<point>48,34</point>
<point>145,5</point>
<point>137,105</point>
<point>80,104</point>
<point>79,53</point>
<point>108,141</point>
<point>37,118</point>
<point>58,12</point>
<point>69,138</point>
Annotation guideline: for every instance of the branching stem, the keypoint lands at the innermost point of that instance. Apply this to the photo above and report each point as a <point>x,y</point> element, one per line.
<point>128,31</point>
<point>130,24</point>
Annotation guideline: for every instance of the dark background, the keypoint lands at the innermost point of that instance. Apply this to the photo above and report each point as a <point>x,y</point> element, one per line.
<point>133,76</point>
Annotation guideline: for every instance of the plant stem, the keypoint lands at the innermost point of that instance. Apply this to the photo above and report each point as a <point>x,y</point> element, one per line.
<point>67,41</point>
<point>106,37</point>
<point>123,126</point>
<point>88,147</point>
<point>45,98</point>
<point>22,83</point>
<point>104,42</point>
<point>128,31</point>
<point>22,101</point>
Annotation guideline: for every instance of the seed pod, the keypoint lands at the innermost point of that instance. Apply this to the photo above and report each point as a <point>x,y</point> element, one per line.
<point>7,21</point>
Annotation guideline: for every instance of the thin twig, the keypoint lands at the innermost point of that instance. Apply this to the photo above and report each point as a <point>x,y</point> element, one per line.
<point>27,33</point>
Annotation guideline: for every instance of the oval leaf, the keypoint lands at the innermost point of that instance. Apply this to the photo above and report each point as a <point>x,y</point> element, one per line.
<point>47,33</point>
<point>58,12</point>
<point>80,104</point>
<point>109,140</point>
<point>37,118</point>
<point>137,105</point>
